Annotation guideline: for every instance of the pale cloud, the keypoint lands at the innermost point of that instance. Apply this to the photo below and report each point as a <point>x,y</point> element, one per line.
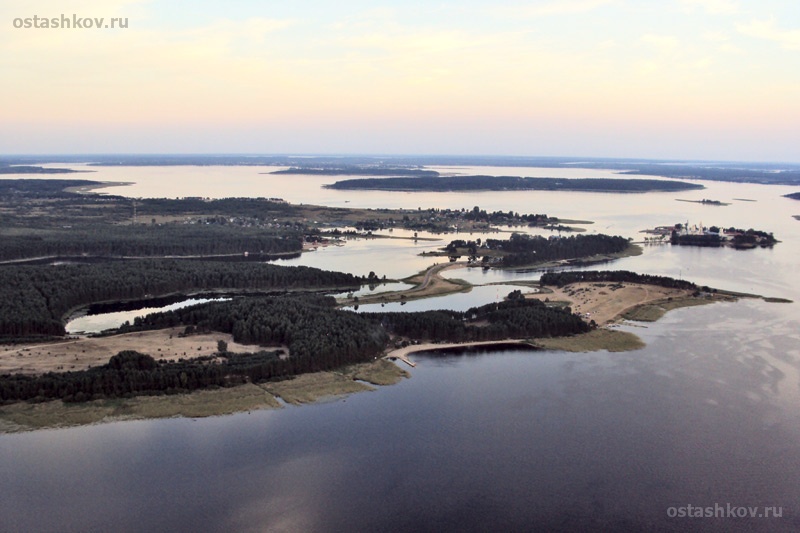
<point>546,9</point>
<point>320,78</point>
<point>664,43</point>
<point>11,9</point>
<point>366,18</point>
<point>714,7</point>
<point>428,42</point>
<point>768,30</point>
<point>219,71</point>
<point>252,31</point>
<point>722,42</point>
<point>716,36</point>
<point>49,8</point>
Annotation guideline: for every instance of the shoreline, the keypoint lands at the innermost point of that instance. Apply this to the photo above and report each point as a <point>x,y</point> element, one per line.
<point>306,388</point>
<point>401,354</point>
<point>90,189</point>
<point>650,305</point>
<point>427,283</point>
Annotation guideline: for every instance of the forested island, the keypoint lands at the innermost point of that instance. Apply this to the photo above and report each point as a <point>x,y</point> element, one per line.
<point>793,196</point>
<point>704,201</point>
<point>521,250</point>
<point>512,183</point>
<point>318,336</point>
<point>715,237</point>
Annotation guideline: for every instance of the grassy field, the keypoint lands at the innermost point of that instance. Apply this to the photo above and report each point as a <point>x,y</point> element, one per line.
<point>652,311</point>
<point>55,414</point>
<point>309,388</point>
<point>380,372</point>
<point>599,339</point>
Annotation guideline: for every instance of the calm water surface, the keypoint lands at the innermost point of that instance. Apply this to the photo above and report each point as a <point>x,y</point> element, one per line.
<point>103,321</point>
<point>706,414</point>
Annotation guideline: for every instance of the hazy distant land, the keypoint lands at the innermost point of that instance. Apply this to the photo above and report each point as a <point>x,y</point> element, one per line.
<point>744,172</point>
<point>30,169</point>
<point>512,183</point>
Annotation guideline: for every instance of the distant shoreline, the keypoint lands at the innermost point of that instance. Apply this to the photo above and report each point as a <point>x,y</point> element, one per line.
<point>512,183</point>
<point>89,189</point>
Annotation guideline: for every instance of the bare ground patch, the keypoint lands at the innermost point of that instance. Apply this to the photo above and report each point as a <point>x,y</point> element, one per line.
<point>80,354</point>
<point>605,302</point>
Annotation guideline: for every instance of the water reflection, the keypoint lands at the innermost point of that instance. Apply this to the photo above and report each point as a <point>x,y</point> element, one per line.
<point>456,302</point>
<point>507,439</point>
<point>103,321</point>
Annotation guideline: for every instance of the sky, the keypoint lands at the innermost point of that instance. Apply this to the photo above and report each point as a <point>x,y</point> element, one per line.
<point>683,79</point>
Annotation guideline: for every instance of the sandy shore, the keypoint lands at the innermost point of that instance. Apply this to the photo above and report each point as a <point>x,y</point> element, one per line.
<point>605,302</point>
<point>88,189</point>
<point>427,283</point>
<point>80,354</point>
<point>403,353</point>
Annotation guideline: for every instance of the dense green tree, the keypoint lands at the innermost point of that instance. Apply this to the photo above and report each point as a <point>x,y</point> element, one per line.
<point>34,299</point>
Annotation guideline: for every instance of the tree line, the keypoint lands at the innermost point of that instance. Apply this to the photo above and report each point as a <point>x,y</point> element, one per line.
<point>147,241</point>
<point>130,373</point>
<point>34,298</point>
<point>522,250</point>
<point>560,279</point>
<point>517,318</point>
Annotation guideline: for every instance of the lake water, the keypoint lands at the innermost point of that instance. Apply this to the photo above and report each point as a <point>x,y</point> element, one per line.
<point>103,321</point>
<point>706,414</point>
